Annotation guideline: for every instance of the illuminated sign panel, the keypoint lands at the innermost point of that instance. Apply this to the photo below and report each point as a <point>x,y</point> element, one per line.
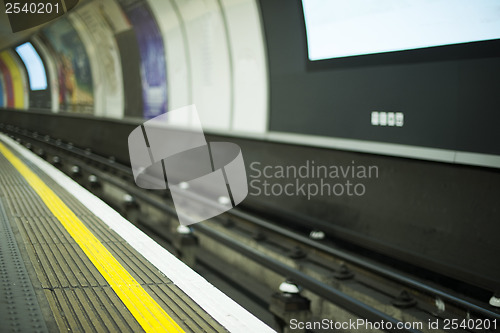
<point>34,65</point>
<point>339,28</point>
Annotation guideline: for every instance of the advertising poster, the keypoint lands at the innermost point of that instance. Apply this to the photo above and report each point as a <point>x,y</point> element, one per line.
<point>39,90</point>
<point>152,53</point>
<point>1,90</point>
<point>7,86</point>
<point>73,67</point>
<point>14,83</point>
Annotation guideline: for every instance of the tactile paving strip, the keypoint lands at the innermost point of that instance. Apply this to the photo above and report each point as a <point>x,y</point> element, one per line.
<point>19,308</point>
<point>78,296</point>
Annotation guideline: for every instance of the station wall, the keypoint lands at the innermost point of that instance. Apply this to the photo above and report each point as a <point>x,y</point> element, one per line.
<point>244,64</point>
<point>448,95</point>
<point>139,58</point>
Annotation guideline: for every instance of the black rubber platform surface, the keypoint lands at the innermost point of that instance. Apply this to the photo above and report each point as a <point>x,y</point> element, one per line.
<point>19,308</point>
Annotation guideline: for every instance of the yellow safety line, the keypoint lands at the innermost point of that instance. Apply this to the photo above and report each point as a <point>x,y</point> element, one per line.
<point>143,307</point>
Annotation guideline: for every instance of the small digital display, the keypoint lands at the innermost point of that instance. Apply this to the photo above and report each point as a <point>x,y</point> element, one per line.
<point>339,28</point>
<point>34,65</point>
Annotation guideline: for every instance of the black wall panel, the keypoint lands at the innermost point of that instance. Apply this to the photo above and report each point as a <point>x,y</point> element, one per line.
<point>449,95</point>
<point>130,60</point>
<point>38,99</point>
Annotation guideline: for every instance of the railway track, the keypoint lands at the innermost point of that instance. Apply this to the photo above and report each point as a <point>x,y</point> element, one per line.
<point>328,272</point>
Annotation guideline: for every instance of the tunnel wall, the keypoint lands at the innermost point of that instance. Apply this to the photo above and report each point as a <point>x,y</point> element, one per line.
<point>138,59</point>
<point>122,62</point>
<point>51,94</point>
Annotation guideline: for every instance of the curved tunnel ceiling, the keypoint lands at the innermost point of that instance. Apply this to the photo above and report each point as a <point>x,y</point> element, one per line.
<point>9,38</point>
